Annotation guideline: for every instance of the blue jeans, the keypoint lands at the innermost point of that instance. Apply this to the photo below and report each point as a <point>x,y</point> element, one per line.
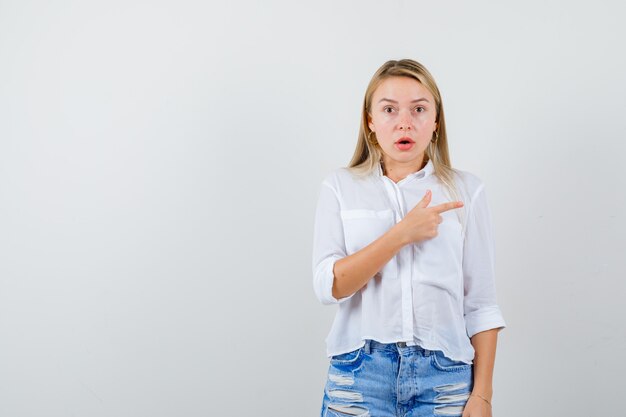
<point>385,380</point>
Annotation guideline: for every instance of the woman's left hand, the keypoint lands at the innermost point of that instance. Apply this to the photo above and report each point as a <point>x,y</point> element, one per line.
<point>476,407</point>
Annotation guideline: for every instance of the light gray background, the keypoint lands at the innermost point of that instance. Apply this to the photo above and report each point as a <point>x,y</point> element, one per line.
<point>159,169</point>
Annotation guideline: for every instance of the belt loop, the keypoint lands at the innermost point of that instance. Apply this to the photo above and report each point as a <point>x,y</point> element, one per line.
<point>427,352</point>
<point>367,346</point>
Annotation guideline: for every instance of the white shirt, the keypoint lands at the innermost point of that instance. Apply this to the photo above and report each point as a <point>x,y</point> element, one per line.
<point>436,293</point>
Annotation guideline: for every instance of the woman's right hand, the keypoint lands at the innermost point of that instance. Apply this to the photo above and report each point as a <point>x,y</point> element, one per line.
<point>422,222</point>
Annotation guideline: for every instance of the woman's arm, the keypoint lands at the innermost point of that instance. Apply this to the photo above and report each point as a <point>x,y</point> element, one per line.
<point>354,271</point>
<point>420,223</point>
<point>484,358</point>
<point>483,318</point>
<point>336,276</point>
<point>479,403</point>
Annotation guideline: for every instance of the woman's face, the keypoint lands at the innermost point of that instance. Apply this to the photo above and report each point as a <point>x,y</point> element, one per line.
<point>402,109</point>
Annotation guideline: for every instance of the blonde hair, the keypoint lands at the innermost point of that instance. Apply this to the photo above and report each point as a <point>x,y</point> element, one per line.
<point>367,155</point>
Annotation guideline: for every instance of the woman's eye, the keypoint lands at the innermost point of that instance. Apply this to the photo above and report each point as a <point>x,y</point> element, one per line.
<point>388,109</point>
<point>419,109</point>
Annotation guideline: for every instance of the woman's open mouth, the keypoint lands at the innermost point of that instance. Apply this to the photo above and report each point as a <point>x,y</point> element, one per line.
<point>404,144</point>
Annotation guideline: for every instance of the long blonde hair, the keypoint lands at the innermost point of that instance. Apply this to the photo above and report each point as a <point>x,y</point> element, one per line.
<point>367,155</point>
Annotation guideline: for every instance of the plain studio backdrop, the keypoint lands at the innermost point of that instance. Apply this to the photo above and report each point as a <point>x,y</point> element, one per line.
<point>160,164</point>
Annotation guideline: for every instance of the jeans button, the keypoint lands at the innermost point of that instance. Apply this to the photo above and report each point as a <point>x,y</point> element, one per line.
<point>401,344</point>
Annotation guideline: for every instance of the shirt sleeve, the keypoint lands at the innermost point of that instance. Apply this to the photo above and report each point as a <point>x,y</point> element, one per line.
<point>328,244</point>
<point>480,307</point>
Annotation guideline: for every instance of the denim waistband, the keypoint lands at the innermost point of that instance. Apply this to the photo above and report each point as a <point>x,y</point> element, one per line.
<point>399,347</point>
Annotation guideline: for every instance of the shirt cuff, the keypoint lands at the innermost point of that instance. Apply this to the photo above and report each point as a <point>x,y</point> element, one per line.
<point>485,318</point>
<point>325,293</point>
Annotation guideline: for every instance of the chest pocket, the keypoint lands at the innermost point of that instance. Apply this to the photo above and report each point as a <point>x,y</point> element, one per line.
<point>362,227</point>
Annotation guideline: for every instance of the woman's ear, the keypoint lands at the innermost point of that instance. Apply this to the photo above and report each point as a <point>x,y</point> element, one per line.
<point>369,122</point>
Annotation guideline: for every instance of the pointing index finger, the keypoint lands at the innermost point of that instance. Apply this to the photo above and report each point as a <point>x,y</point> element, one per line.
<point>447,206</point>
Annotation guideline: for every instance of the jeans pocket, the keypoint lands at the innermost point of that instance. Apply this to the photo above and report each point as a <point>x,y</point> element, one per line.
<point>347,359</point>
<point>443,363</point>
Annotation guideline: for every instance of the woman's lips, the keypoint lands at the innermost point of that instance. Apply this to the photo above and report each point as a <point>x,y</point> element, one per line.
<point>404,146</point>
<point>405,139</point>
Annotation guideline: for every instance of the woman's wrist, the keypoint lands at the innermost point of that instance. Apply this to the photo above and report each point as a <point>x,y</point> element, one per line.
<point>482,397</point>
<point>486,394</point>
<point>399,234</point>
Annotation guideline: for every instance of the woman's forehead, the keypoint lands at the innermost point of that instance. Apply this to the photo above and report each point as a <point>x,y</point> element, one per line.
<point>401,89</point>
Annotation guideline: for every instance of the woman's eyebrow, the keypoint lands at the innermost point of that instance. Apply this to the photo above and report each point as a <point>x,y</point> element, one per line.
<point>395,102</point>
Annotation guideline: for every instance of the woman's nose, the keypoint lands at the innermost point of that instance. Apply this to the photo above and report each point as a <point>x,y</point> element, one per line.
<point>404,121</point>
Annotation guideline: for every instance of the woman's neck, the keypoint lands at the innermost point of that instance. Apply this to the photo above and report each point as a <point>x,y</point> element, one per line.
<point>396,173</point>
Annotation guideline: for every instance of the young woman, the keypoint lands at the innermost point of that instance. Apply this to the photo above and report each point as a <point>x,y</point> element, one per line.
<point>403,244</point>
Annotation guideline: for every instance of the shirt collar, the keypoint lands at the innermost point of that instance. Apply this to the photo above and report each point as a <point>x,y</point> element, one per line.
<point>422,173</point>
